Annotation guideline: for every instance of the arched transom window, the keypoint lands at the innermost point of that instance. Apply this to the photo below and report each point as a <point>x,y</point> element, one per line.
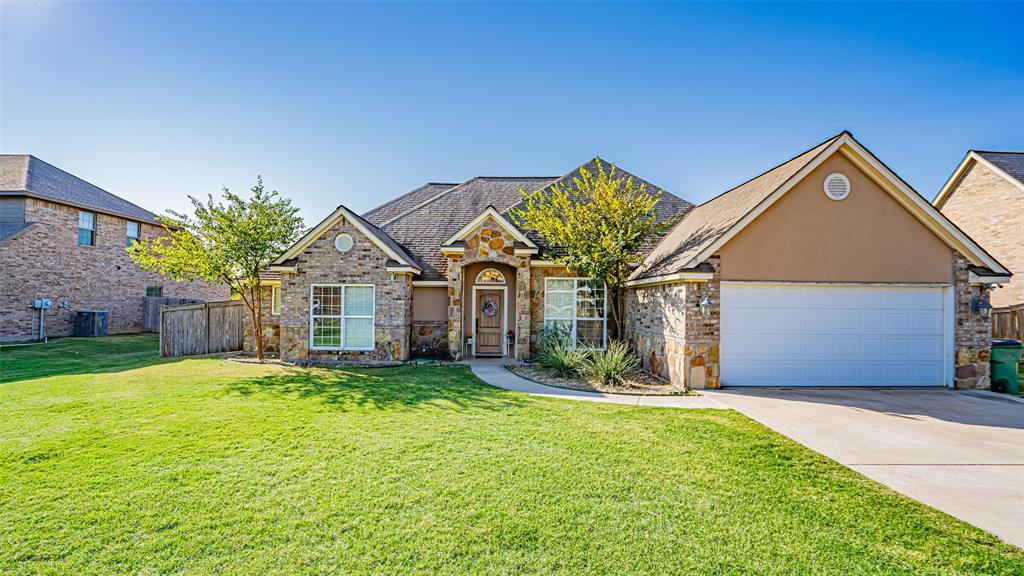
<point>490,276</point>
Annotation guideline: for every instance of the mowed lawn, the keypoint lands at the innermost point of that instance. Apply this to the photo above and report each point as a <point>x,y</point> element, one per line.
<point>124,465</point>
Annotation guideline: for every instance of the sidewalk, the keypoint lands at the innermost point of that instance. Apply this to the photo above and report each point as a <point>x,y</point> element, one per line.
<point>499,376</point>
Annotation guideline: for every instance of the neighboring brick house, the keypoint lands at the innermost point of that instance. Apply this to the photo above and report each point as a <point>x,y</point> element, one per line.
<point>64,239</point>
<point>826,270</point>
<point>985,198</point>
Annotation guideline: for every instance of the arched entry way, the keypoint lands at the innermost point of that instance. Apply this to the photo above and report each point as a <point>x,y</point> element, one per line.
<point>489,308</point>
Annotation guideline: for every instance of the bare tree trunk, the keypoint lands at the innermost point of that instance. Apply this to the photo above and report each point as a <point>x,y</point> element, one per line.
<point>617,314</point>
<point>257,320</point>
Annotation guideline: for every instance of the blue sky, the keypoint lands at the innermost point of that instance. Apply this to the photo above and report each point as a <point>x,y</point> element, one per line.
<point>357,103</point>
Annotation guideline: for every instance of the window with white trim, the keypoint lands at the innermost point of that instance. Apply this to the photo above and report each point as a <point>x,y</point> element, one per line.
<point>490,276</point>
<point>579,306</point>
<point>275,300</point>
<point>341,317</point>
<point>131,233</point>
<point>86,229</point>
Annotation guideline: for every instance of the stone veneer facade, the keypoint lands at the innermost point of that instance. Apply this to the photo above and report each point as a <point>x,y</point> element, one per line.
<point>973,340</point>
<point>47,262</point>
<point>991,210</point>
<point>365,263</point>
<point>665,326</point>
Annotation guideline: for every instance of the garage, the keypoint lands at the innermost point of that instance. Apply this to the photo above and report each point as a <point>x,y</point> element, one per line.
<point>790,334</point>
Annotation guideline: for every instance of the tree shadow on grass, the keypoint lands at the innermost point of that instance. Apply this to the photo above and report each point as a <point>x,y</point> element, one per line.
<point>71,356</point>
<point>446,387</point>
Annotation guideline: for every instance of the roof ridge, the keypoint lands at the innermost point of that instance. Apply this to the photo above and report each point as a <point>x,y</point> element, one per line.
<point>774,168</point>
<point>400,196</point>
<point>996,151</point>
<point>427,201</point>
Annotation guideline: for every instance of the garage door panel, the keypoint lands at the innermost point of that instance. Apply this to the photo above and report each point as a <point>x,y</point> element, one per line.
<point>800,335</point>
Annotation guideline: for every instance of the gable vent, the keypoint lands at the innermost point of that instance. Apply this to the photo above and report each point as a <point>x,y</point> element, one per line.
<point>343,242</point>
<point>837,186</point>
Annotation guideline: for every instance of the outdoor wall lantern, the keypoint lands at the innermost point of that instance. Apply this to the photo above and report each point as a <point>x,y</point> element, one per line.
<point>981,305</point>
<point>706,304</point>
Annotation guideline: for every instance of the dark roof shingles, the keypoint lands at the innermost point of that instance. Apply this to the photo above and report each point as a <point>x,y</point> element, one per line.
<point>1010,162</point>
<point>28,174</point>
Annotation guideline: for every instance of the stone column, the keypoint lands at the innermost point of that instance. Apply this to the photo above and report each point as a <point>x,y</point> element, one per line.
<point>973,332</point>
<point>703,335</point>
<point>523,308</point>
<point>455,305</point>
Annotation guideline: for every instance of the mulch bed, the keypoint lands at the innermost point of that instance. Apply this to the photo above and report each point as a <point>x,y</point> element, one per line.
<point>637,382</point>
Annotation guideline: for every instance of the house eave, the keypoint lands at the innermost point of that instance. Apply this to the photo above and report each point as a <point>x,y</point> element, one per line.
<point>671,279</point>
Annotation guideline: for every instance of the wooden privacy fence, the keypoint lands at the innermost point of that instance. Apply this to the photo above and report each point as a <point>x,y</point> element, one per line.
<point>208,328</point>
<point>151,310</point>
<point>1008,322</point>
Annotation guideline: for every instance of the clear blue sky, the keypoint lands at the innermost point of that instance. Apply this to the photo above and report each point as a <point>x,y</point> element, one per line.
<point>356,103</point>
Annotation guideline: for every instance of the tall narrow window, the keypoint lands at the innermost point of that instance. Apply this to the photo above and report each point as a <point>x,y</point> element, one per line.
<point>341,317</point>
<point>579,307</point>
<point>275,300</point>
<point>86,229</point>
<point>132,234</point>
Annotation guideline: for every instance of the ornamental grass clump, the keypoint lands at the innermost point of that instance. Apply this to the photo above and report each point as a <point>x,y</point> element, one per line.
<point>556,352</point>
<point>610,366</point>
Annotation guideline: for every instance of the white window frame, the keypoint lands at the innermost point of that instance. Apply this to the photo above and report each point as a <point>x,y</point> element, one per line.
<point>343,317</point>
<point>78,231</point>
<point>275,301</point>
<point>127,230</point>
<point>575,306</point>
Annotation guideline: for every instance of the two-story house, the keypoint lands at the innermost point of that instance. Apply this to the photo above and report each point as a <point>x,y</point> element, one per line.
<point>64,239</point>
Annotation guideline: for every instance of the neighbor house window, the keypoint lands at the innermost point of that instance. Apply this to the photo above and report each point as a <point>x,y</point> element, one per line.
<point>154,291</point>
<point>579,307</point>
<point>132,233</point>
<point>86,229</point>
<point>341,317</point>
<point>275,300</point>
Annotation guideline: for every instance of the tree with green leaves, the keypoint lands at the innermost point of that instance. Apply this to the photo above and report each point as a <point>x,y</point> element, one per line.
<point>228,241</point>
<point>596,227</point>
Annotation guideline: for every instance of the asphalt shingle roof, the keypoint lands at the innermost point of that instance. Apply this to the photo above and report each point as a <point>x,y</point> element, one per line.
<point>1010,162</point>
<point>10,230</point>
<point>709,221</point>
<point>427,221</point>
<point>22,174</point>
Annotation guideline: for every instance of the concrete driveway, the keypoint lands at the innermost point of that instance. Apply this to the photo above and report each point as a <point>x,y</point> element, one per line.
<point>960,452</point>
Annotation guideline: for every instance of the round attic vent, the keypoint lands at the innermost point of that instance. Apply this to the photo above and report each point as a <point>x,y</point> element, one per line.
<point>343,242</point>
<point>837,186</point>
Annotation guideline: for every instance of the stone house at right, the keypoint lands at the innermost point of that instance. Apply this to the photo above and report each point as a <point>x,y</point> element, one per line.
<point>985,198</point>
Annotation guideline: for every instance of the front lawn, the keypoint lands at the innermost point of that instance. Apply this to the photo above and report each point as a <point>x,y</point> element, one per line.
<point>209,466</point>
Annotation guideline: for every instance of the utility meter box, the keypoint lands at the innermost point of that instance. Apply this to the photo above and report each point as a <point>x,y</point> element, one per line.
<point>41,303</point>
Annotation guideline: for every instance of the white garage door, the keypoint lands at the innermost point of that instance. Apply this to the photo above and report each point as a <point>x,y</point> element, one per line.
<point>832,335</point>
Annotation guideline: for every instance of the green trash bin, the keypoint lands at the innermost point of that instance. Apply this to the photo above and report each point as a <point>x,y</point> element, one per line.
<point>1005,357</point>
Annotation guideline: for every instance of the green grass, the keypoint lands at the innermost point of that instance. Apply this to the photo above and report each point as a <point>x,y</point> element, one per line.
<point>206,467</point>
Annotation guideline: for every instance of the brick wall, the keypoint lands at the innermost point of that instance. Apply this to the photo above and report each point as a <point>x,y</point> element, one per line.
<point>991,211</point>
<point>271,327</point>
<point>47,262</point>
<point>365,263</point>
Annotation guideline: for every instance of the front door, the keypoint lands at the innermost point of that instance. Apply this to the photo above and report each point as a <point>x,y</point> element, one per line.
<point>489,316</point>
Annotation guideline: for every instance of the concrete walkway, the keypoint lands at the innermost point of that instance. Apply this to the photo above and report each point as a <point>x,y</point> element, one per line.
<point>497,375</point>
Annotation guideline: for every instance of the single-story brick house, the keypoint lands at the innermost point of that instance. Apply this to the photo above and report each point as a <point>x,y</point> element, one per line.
<point>985,198</point>
<point>826,270</point>
<point>64,239</point>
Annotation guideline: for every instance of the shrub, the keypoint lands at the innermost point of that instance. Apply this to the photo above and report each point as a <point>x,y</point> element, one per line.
<point>610,366</point>
<point>554,350</point>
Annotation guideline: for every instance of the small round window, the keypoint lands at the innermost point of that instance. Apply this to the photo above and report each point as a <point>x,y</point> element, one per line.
<point>837,186</point>
<point>490,276</point>
<point>343,242</point>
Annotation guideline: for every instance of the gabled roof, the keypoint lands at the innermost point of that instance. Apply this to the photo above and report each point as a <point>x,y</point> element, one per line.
<point>705,229</point>
<point>393,249</point>
<point>1009,165</point>
<point>426,226</point>
<point>25,175</point>
<point>489,212</point>
<point>408,201</point>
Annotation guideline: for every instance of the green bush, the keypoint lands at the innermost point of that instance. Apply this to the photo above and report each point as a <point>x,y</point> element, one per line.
<point>610,366</point>
<point>554,350</point>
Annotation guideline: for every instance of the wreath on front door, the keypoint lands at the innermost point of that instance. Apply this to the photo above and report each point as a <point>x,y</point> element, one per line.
<point>490,308</point>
